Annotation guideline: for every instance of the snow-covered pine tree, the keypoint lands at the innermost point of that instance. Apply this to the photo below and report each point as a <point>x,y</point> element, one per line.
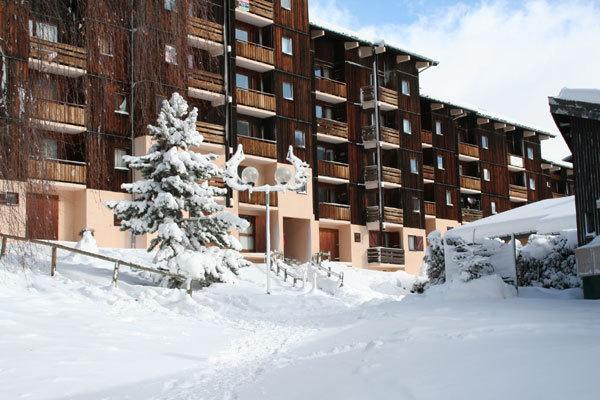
<point>174,198</point>
<point>434,259</point>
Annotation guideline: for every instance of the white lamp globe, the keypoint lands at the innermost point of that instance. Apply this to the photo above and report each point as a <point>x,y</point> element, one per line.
<point>283,175</point>
<point>250,175</point>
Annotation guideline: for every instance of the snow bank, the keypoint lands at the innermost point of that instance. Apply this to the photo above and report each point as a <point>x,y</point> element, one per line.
<point>487,287</point>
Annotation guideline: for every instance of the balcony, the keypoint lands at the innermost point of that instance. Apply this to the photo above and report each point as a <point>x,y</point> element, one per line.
<point>258,198</point>
<point>389,257</point>
<point>426,138</point>
<point>254,56</point>
<point>212,133</point>
<point>557,195</point>
<point>330,91</point>
<point>57,58</point>
<point>430,208</point>
<point>207,86</point>
<point>262,148</point>
<point>205,35</point>
<point>392,218</point>
<point>332,131</point>
<point>390,177</point>
<point>468,152</point>
<point>388,98</point>
<point>254,103</point>
<point>57,170</point>
<point>428,173</point>
<point>389,137</point>
<point>58,117</point>
<point>334,211</point>
<point>470,215</point>
<point>470,184</point>
<point>515,163</point>
<point>255,12</point>
<point>333,172</point>
<point>517,193</point>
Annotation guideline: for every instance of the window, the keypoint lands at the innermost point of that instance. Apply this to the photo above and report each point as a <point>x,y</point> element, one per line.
<point>325,154</point>
<point>590,229</point>
<point>243,128</point>
<point>242,81</point>
<point>170,54</point>
<point>532,183</point>
<point>191,62</point>
<point>486,174</point>
<point>121,103</point>
<point>105,45</point>
<point>116,221</point>
<point>413,166</point>
<point>323,112</point>
<point>241,34</point>
<point>286,4</point>
<point>300,139</point>
<point>448,198</point>
<point>406,88</point>
<point>119,162</point>
<point>247,236</point>
<point>288,91</point>
<point>493,206</point>
<point>286,45</point>
<point>9,198</point>
<point>440,162</point>
<point>415,243</point>
<point>438,128</point>
<point>159,103</point>
<point>44,31</point>
<point>357,238</point>
<point>484,142</point>
<point>530,153</point>
<point>50,148</point>
<point>170,5</point>
<point>416,205</point>
<point>407,127</point>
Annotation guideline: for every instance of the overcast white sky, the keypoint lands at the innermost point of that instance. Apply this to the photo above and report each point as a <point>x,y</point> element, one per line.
<point>506,57</point>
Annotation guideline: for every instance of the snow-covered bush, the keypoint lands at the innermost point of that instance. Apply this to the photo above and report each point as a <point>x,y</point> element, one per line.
<point>548,261</point>
<point>433,263</point>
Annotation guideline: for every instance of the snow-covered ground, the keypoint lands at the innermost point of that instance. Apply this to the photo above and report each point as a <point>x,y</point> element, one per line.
<point>76,337</point>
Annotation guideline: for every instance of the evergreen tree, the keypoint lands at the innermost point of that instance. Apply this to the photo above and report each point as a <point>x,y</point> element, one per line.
<point>434,259</point>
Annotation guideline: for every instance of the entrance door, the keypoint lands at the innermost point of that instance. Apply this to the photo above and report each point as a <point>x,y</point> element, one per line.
<point>42,216</point>
<point>329,241</point>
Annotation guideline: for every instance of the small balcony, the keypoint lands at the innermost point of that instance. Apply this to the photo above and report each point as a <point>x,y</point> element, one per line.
<point>255,12</point>
<point>468,152</point>
<point>333,172</point>
<point>426,139</point>
<point>330,91</point>
<point>392,218</point>
<point>207,86</point>
<point>331,131</point>
<point>57,58</point>
<point>385,257</point>
<point>205,35</point>
<point>516,163</point>
<point>517,193</point>
<point>470,215</point>
<point>388,98</point>
<point>212,133</point>
<point>390,177</point>
<point>470,184</point>
<point>258,198</point>
<point>334,211</point>
<point>254,56</point>
<point>428,173</point>
<point>57,170</point>
<point>262,148</point>
<point>430,209</point>
<point>58,117</point>
<point>254,103</point>
<point>389,137</point>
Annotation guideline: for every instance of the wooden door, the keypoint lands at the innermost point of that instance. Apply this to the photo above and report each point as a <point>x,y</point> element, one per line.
<point>42,216</point>
<point>329,241</point>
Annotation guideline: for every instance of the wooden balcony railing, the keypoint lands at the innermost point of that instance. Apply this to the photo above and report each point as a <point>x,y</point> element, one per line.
<point>254,51</point>
<point>206,80</point>
<point>205,29</point>
<point>517,191</point>
<point>388,135</point>
<point>50,110</point>
<point>428,172</point>
<point>388,174</point>
<point>256,99</point>
<point>334,169</point>
<point>469,150</point>
<point>335,211</point>
<point>57,170</point>
<point>557,195</point>
<point>332,128</point>
<point>331,86</point>
<point>386,95</point>
<point>430,208</point>
<point>59,53</point>
<point>470,215</point>
<point>213,133</point>
<point>262,8</point>
<point>426,137</point>
<point>258,147</point>
<point>385,255</point>
<point>390,215</point>
<point>516,161</point>
<point>258,198</point>
<point>470,182</point>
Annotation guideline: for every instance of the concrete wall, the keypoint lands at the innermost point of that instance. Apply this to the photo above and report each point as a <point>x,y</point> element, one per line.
<point>13,218</point>
<point>413,259</point>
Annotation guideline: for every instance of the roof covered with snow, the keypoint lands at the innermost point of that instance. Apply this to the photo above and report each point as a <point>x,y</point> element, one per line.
<point>579,103</point>
<point>583,95</point>
<point>545,216</point>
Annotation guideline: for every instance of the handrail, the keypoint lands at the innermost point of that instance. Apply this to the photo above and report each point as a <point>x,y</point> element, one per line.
<point>317,262</point>
<point>60,160</point>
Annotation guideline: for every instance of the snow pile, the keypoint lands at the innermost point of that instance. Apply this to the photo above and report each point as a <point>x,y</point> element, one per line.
<point>212,265</point>
<point>584,95</point>
<point>487,287</point>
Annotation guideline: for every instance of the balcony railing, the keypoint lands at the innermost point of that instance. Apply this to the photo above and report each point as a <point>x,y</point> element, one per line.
<point>557,195</point>
<point>205,80</point>
<point>332,128</point>
<point>261,8</point>
<point>385,255</point>
<point>388,174</point>
<point>518,191</point>
<point>208,30</point>
<point>63,54</point>
<point>57,170</point>
<point>331,86</point>
<point>388,135</point>
<point>430,208</point>
<point>257,198</point>
<point>468,150</point>
<point>426,137</point>
<point>54,111</point>
<point>334,169</point>
<point>254,51</point>
<point>386,95</point>
<point>256,99</point>
<point>470,182</point>
<point>390,215</point>
<point>470,215</point>
<point>428,172</point>
<point>515,161</point>
<point>340,212</point>
<point>258,147</point>
<point>213,133</point>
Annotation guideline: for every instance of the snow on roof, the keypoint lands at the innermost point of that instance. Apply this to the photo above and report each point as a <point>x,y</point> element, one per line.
<point>584,95</point>
<point>560,163</point>
<point>545,216</point>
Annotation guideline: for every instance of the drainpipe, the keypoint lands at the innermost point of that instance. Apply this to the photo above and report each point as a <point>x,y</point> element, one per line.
<point>132,31</point>
<point>378,144</point>
<point>229,142</point>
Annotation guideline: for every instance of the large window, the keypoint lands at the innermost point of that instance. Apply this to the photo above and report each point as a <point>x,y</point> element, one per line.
<point>414,168</point>
<point>449,198</point>
<point>438,128</point>
<point>406,88</point>
<point>407,127</point>
<point>171,54</point>
<point>248,235</point>
<point>323,112</point>
<point>288,91</point>
<point>242,81</point>
<point>325,154</point>
<point>105,45</point>
<point>300,139</point>
<point>415,243</point>
<point>286,45</point>
<point>243,127</point>
<point>119,162</point>
<point>493,206</point>
<point>530,153</point>
<point>485,144</point>
<point>416,205</point>
<point>532,183</point>
<point>43,30</point>
<point>50,148</point>
<point>440,162</point>
<point>241,34</point>
<point>486,174</point>
<point>286,4</point>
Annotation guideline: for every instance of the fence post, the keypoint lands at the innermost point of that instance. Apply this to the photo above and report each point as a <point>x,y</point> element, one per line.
<point>294,283</point>
<point>341,278</point>
<point>3,250</point>
<point>115,277</point>
<point>285,275</point>
<point>189,287</point>
<point>329,272</point>
<point>53,264</point>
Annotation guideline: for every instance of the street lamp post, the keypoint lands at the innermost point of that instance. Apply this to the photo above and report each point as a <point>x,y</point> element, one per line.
<point>284,178</point>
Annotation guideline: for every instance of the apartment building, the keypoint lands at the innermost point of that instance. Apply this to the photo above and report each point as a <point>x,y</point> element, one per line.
<point>82,82</point>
